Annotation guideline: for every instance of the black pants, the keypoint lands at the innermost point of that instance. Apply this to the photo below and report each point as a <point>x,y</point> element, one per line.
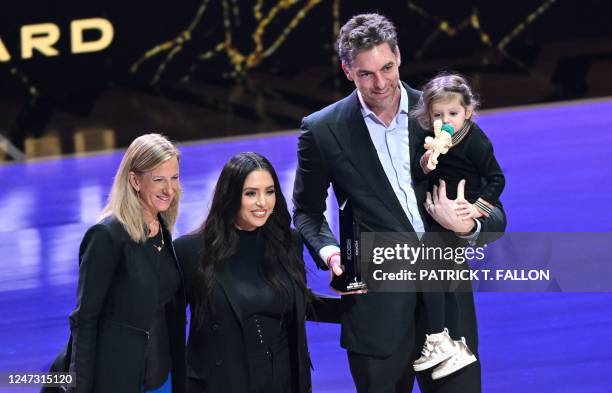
<point>442,311</point>
<point>270,370</point>
<point>394,374</point>
<point>440,296</point>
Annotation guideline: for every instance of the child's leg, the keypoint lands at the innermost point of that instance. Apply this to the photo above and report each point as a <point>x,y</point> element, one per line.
<point>452,316</point>
<point>434,311</point>
<point>463,355</point>
<point>438,344</point>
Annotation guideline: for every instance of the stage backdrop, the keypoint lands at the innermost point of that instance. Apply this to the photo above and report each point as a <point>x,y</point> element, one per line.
<point>265,64</point>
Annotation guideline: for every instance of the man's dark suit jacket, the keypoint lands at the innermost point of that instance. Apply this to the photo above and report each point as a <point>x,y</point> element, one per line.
<point>335,147</point>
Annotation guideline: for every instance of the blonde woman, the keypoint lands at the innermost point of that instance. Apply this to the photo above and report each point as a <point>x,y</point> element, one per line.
<point>128,329</point>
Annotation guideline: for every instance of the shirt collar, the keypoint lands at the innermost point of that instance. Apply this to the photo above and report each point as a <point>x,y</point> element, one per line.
<point>403,106</point>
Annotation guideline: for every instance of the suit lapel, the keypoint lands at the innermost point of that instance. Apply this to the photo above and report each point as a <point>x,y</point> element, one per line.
<point>226,281</point>
<point>299,301</point>
<point>413,126</point>
<point>354,138</point>
<point>168,235</point>
<point>415,138</point>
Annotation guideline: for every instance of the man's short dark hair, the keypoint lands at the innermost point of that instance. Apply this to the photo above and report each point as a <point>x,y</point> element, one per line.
<point>363,32</point>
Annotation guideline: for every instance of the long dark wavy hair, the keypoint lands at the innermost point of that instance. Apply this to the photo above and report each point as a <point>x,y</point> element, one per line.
<point>219,236</point>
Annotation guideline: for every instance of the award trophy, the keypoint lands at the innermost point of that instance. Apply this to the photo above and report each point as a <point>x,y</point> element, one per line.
<point>350,279</point>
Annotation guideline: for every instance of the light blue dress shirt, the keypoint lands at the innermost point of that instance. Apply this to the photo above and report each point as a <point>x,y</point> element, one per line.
<point>392,147</point>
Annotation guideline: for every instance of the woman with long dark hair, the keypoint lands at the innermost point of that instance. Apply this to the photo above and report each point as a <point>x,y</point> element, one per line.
<point>246,288</point>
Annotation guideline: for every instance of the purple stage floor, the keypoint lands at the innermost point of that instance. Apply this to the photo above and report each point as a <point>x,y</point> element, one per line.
<point>558,180</point>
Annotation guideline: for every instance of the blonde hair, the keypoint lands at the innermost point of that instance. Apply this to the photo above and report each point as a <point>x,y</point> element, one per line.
<point>144,154</point>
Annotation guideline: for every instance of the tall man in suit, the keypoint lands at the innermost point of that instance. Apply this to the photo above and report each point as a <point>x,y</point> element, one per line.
<point>365,146</point>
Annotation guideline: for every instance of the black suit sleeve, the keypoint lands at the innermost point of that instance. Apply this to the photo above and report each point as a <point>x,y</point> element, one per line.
<point>309,195</point>
<point>324,308</point>
<point>188,253</point>
<point>484,159</point>
<point>320,307</point>
<point>493,227</point>
<point>98,262</point>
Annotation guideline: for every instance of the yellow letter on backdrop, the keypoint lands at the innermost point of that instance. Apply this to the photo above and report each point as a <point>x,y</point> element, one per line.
<point>76,32</point>
<point>40,37</point>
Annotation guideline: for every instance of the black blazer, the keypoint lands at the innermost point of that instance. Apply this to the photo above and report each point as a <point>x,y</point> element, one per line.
<point>117,298</point>
<point>216,352</point>
<point>335,147</point>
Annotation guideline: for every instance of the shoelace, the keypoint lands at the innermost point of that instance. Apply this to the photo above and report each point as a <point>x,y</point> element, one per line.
<point>427,348</point>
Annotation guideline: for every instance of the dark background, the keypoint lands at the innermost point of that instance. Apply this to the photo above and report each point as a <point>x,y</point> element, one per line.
<point>560,50</point>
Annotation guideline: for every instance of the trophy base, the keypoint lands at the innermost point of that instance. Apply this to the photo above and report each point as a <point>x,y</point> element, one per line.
<point>346,283</point>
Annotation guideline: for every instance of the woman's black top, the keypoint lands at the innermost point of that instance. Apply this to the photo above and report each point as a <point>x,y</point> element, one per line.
<point>264,310</point>
<point>158,357</point>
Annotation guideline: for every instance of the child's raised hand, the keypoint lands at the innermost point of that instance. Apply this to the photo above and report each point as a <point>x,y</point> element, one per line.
<point>428,143</point>
<point>466,211</point>
<point>425,161</point>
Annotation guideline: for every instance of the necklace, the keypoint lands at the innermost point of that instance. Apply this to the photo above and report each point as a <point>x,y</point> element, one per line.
<point>160,246</point>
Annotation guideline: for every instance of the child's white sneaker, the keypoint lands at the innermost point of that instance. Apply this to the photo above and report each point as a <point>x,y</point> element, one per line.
<point>462,358</point>
<point>437,348</point>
